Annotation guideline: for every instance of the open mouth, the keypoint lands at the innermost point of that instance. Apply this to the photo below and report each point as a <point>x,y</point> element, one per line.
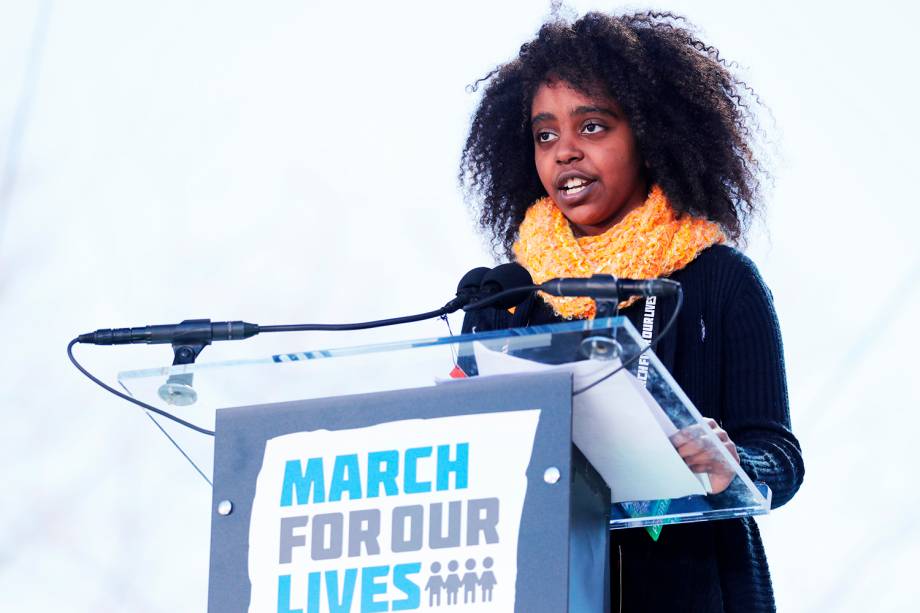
<point>575,185</point>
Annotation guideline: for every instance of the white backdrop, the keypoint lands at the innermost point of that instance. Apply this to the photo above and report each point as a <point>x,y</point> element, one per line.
<point>285,161</point>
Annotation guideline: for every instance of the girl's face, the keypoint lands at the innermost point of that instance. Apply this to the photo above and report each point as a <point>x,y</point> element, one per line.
<point>586,157</point>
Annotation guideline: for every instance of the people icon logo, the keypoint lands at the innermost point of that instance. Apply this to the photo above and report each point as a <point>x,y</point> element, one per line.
<point>453,582</point>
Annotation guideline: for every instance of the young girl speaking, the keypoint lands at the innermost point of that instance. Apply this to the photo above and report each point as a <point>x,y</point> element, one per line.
<point>624,145</point>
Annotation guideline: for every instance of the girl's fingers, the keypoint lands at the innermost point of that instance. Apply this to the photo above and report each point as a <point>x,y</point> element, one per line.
<point>693,439</point>
<point>733,449</point>
<point>700,468</point>
<point>689,433</point>
<point>699,459</point>
<point>693,448</point>
<point>712,460</point>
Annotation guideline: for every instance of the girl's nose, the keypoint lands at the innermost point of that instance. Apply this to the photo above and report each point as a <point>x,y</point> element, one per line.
<point>567,151</point>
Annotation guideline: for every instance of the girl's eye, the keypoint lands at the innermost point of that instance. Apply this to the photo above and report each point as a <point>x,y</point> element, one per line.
<point>593,128</point>
<point>545,137</point>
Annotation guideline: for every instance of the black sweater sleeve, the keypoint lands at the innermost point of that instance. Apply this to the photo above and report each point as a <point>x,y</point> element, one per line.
<point>755,400</point>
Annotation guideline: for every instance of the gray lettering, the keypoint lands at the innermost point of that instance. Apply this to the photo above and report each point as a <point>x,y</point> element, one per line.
<point>320,550</point>
<point>401,541</point>
<point>482,517</point>
<point>288,539</point>
<point>363,527</point>
<point>436,537</point>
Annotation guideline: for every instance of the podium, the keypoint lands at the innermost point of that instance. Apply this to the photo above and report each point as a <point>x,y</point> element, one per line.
<point>438,472</point>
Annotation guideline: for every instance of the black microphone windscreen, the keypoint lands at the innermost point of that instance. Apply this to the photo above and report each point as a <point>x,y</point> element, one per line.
<point>505,277</point>
<point>471,281</point>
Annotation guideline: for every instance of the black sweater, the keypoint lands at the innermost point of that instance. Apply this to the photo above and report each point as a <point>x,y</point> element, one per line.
<point>726,353</point>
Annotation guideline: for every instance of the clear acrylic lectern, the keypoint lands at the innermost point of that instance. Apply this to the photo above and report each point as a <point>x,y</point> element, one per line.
<point>589,350</point>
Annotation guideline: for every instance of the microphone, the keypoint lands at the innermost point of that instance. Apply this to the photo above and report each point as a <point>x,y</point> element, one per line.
<point>503,287</point>
<point>503,279</point>
<point>467,289</point>
<point>204,331</point>
<point>189,337</point>
<point>189,332</point>
<point>608,287</point>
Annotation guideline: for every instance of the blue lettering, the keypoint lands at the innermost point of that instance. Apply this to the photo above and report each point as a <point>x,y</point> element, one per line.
<point>346,477</point>
<point>313,590</point>
<point>303,481</point>
<point>407,586</point>
<point>284,595</point>
<point>412,485</point>
<point>370,588</point>
<point>305,485</point>
<point>340,604</point>
<point>377,475</point>
<point>459,466</point>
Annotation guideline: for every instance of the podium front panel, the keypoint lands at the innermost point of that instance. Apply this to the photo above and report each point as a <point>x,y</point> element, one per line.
<point>404,500</point>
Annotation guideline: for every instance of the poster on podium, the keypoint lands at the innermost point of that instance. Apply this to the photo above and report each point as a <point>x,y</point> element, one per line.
<point>416,500</point>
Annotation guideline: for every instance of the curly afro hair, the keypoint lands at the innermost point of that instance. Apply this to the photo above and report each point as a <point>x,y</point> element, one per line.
<point>693,120</point>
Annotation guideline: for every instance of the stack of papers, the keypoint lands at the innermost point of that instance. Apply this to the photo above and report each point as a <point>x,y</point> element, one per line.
<point>617,425</point>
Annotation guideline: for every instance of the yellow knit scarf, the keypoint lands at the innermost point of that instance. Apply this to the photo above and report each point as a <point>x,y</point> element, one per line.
<point>651,241</point>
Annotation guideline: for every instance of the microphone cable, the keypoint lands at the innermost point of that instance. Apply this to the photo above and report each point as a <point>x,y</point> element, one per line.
<point>124,396</point>
<point>364,325</point>
<point>281,328</point>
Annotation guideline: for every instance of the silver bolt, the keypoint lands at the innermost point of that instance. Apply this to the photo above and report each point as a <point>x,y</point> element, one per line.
<point>552,475</point>
<point>224,507</point>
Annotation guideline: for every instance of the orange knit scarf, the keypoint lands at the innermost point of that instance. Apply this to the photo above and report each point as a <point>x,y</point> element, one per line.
<point>650,241</point>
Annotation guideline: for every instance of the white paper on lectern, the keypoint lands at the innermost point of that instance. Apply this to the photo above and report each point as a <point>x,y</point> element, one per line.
<point>617,424</point>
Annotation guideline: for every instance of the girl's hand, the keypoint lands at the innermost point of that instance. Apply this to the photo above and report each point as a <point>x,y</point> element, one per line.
<point>697,447</point>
